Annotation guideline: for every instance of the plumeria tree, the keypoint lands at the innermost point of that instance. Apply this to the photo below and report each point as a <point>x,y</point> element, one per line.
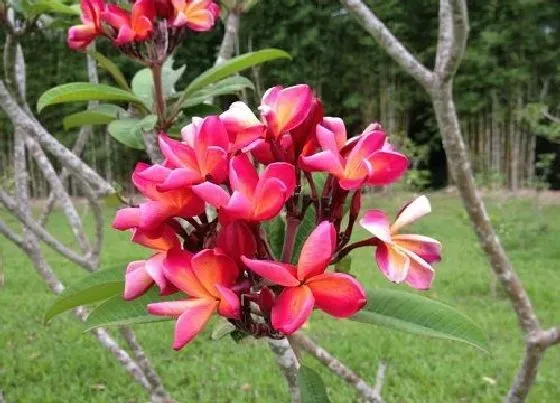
<point>249,217</point>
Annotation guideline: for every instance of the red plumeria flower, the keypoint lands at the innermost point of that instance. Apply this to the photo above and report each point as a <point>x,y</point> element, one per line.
<point>207,278</point>
<point>165,9</point>
<point>236,239</point>
<point>404,257</point>
<point>135,26</point>
<point>307,286</point>
<point>198,15</point>
<point>80,36</point>
<point>161,206</point>
<point>253,197</point>
<point>142,274</point>
<point>370,160</point>
<point>200,158</point>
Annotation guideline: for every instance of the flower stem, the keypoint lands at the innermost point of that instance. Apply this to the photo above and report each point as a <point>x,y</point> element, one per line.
<point>360,244</point>
<point>158,93</point>
<point>292,225</point>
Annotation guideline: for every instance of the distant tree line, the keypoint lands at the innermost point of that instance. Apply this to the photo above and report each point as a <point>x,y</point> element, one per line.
<point>508,79</point>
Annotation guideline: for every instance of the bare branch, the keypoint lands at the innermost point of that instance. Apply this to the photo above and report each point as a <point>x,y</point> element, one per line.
<point>367,393</point>
<point>380,377</point>
<point>227,47</point>
<point>552,118</point>
<point>388,41</point>
<point>452,38</point>
<point>27,220</point>
<point>12,236</point>
<point>288,364</point>
<point>551,336</point>
<point>20,118</point>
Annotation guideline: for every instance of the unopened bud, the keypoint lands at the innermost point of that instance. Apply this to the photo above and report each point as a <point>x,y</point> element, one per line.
<point>266,300</point>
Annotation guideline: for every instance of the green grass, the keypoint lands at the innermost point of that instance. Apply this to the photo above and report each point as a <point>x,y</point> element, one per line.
<point>58,363</point>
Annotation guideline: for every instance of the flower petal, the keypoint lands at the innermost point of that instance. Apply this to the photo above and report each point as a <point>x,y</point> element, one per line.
<point>177,154</point>
<point>337,294</point>
<point>236,240</point>
<point>127,218</point>
<point>154,267</point>
<point>420,274</point>
<point>292,308</point>
<point>269,199</point>
<point>376,222</point>
<point>317,251</point>
<point>191,322</point>
<point>393,263</point>
<point>324,161</point>
<point>161,239</point>
<point>427,248</point>
<point>284,109</point>
<point>178,269</point>
<point>282,171</point>
<point>154,213</point>
<point>386,167</point>
<point>243,175</point>
<point>212,267</point>
<point>411,212</point>
<point>229,302</point>
<point>336,125</point>
<point>279,273</point>
<point>170,308</point>
<point>211,193</point>
<point>179,178</point>
<point>136,281</point>
<point>212,133</point>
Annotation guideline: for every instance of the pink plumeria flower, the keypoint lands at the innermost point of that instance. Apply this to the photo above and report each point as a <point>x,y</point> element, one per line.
<point>242,125</point>
<point>285,108</point>
<point>253,197</point>
<point>404,257</point>
<point>80,36</point>
<point>161,206</point>
<point>142,274</point>
<point>135,26</point>
<point>306,285</point>
<point>370,160</point>
<point>282,109</point>
<point>207,278</point>
<point>198,15</point>
<point>204,157</point>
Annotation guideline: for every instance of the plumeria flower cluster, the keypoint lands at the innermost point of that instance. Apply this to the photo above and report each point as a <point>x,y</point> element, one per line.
<point>158,24</point>
<point>206,208</point>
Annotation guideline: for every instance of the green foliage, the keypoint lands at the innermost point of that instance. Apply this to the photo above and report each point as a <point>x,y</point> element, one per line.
<point>102,115</point>
<point>106,64</point>
<point>130,131</point>
<point>275,230</point>
<point>76,92</point>
<point>115,311</point>
<point>143,82</point>
<point>94,288</point>
<point>311,386</point>
<point>419,315</point>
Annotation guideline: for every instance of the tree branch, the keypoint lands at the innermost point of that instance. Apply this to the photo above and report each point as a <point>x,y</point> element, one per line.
<point>367,393</point>
<point>388,41</point>
<point>452,40</point>
<point>288,364</point>
<point>20,118</point>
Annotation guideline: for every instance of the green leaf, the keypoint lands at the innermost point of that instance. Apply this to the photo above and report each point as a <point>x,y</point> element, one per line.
<point>107,65</point>
<point>74,92</point>
<point>416,314</point>
<point>233,66</point>
<point>311,386</point>
<point>305,227</point>
<point>93,288</point>
<point>226,86</point>
<point>344,265</point>
<point>275,230</point>
<point>102,115</point>
<point>130,131</point>
<point>143,82</point>
<point>118,312</point>
<point>36,7</point>
<point>201,110</point>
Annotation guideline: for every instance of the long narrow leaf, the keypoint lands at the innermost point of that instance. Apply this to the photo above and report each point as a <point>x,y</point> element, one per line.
<point>96,287</point>
<point>116,311</point>
<point>112,69</point>
<point>75,92</point>
<point>311,386</point>
<point>233,66</point>
<point>415,314</point>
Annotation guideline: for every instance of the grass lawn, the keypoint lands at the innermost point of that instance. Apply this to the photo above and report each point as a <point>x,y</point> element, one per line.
<point>58,363</point>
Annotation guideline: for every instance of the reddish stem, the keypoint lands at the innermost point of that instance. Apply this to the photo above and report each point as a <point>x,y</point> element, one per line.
<point>292,225</point>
